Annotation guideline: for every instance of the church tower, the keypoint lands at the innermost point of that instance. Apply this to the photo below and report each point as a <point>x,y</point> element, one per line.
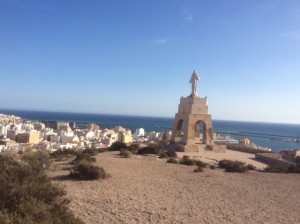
<point>193,130</point>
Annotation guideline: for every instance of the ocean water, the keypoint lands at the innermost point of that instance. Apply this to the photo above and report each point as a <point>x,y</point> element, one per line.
<point>159,124</point>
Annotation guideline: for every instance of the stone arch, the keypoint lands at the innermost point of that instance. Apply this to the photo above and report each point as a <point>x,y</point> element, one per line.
<point>179,131</point>
<point>200,132</point>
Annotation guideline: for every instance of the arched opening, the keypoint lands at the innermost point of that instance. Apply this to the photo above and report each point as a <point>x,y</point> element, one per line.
<point>200,132</point>
<point>179,130</point>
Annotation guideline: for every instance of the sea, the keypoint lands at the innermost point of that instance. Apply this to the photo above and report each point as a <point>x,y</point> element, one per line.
<point>274,135</point>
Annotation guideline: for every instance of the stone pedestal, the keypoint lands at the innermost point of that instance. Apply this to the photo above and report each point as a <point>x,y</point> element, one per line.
<point>192,130</point>
<point>193,116</point>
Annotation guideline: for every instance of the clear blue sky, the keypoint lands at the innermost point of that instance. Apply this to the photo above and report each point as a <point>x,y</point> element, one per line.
<point>136,56</point>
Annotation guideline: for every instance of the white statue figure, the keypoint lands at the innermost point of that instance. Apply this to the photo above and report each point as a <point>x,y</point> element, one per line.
<point>194,80</point>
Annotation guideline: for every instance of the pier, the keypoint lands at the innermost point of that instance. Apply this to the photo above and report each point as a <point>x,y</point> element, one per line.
<point>274,137</point>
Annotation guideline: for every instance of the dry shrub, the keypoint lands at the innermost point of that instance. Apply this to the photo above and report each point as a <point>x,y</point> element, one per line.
<point>198,169</point>
<point>185,160</point>
<point>28,196</point>
<point>172,160</point>
<point>125,153</point>
<point>233,166</point>
<point>84,170</point>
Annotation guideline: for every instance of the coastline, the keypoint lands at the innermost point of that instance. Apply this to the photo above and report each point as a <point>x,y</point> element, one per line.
<point>153,124</point>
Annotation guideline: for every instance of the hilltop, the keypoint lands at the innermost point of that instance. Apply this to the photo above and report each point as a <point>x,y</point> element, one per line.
<point>149,190</point>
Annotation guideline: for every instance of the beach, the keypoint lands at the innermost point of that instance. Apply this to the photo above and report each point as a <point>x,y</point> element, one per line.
<point>145,189</point>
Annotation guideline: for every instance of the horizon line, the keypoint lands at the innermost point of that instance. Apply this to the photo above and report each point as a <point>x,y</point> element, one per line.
<point>132,115</point>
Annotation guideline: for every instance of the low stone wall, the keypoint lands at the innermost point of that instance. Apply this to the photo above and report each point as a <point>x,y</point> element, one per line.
<point>244,149</point>
<point>197,148</point>
<point>274,158</point>
<point>218,148</point>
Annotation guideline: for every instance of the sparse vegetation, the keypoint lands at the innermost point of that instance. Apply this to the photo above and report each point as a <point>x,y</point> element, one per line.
<point>61,155</point>
<point>251,167</point>
<point>117,146</point>
<point>163,155</point>
<point>37,160</point>
<point>27,194</point>
<point>84,170</point>
<point>151,149</point>
<point>102,150</point>
<point>125,153</point>
<point>198,169</point>
<point>212,167</point>
<point>171,154</point>
<point>200,163</point>
<point>83,156</point>
<point>91,151</point>
<point>276,168</point>
<point>233,166</point>
<point>185,160</point>
<point>224,163</point>
<point>172,160</point>
<point>133,148</point>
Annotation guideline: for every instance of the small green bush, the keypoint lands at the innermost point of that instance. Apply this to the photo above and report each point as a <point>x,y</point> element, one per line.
<point>237,168</point>
<point>233,166</point>
<point>200,163</point>
<point>61,155</point>
<point>171,153</point>
<point>199,169</point>
<point>91,151</point>
<point>151,149</point>
<point>185,160</point>
<point>212,167</point>
<point>117,146</point>
<point>133,148</point>
<point>224,163</point>
<point>251,167</point>
<point>83,156</point>
<point>28,196</point>
<point>172,160</point>
<point>102,150</point>
<point>163,155</point>
<point>37,160</point>
<point>125,153</point>
<point>84,170</point>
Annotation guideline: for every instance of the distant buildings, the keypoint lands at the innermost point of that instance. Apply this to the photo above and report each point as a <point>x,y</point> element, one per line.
<point>16,133</point>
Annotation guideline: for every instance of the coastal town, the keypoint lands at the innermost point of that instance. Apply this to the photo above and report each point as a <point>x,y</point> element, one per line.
<point>17,134</point>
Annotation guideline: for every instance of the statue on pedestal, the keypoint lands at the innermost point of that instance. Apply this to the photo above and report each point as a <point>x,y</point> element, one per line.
<point>194,80</point>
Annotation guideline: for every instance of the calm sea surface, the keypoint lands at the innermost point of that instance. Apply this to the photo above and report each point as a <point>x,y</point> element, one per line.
<point>161,124</point>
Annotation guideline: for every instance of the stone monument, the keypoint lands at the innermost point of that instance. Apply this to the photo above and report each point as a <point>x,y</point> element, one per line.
<point>193,130</point>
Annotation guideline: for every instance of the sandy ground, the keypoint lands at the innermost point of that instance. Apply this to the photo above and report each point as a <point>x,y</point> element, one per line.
<point>149,190</point>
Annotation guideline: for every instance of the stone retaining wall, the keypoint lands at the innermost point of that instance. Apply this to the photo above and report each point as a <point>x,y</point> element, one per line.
<point>244,149</point>
<point>274,158</point>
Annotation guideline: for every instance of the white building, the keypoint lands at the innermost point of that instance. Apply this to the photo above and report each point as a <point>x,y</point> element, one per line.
<point>153,136</point>
<point>55,138</point>
<point>3,129</point>
<point>138,135</point>
<point>90,135</point>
